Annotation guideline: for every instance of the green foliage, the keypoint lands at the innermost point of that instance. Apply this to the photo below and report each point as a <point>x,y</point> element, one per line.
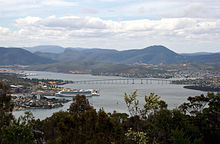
<point>6,106</point>
<point>19,131</point>
<point>204,113</point>
<point>152,103</point>
<point>195,122</point>
<point>180,137</point>
<point>80,105</point>
<point>132,104</point>
<point>136,137</point>
<point>82,124</point>
<point>196,104</point>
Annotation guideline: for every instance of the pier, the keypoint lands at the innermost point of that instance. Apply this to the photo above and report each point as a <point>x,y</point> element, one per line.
<point>125,81</point>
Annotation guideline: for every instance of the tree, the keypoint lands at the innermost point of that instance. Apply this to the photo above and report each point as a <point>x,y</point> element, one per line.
<point>80,105</point>
<point>204,113</point>
<point>179,137</point>
<point>195,105</point>
<point>19,131</point>
<point>132,104</point>
<point>6,106</point>
<point>152,103</point>
<point>136,137</point>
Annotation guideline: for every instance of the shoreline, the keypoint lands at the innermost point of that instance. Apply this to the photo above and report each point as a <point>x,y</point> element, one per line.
<point>200,88</point>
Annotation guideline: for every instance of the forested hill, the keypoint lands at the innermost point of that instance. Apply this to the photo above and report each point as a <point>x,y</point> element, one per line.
<point>149,55</point>
<point>208,58</point>
<point>156,54</point>
<point>46,49</point>
<point>12,56</point>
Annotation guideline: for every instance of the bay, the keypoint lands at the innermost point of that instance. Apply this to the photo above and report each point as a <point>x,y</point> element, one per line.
<point>112,95</point>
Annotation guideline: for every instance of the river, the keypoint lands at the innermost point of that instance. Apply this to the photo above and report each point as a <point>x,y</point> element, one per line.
<point>112,95</point>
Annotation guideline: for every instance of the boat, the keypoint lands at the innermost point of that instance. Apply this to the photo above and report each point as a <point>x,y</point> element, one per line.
<point>73,93</point>
<point>95,93</point>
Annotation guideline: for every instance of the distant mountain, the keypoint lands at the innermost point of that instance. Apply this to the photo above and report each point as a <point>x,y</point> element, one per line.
<point>149,55</point>
<point>78,48</point>
<point>12,56</point>
<point>195,54</point>
<point>50,49</point>
<point>152,55</point>
<point>208,58</point>
<point>46,49</point>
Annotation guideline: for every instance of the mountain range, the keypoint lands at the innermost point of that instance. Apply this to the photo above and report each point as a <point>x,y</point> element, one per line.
<point>150,55</point>
<point>49,49</point>
<point>13,56</point>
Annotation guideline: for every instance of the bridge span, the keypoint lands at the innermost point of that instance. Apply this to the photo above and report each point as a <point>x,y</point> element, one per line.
<point>124,81</point>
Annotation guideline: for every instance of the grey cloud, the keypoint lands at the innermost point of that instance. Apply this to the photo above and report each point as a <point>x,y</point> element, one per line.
<point>72,23</point>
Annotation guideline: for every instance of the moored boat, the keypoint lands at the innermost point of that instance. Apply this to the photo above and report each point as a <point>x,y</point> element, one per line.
<point>73,93</point>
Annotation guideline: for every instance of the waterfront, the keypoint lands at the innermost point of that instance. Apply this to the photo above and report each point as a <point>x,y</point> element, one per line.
<point>112,95</point>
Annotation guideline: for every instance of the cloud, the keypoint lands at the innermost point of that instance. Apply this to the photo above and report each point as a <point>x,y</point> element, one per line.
<point>4,31</point>
<point>15,5</point>
<point>21,5</point>
<point>171,9</point>
<point>67,22</point>
<point>121,24</point>
<point>90,11</point>
<point>96,32</point>
<point>59,3</point>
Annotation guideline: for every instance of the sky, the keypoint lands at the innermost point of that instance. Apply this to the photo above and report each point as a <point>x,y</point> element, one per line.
<point>184,26</point>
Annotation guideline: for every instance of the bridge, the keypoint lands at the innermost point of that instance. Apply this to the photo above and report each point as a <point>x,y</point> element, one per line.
<point>124,81</point>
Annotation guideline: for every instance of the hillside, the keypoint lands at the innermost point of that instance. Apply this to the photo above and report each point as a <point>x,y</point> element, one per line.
<point>209,58</point>
<point>95,68</point>
<point>50,49</point>
<point>46,49</point>
<point>81,67</point>
<point>152,55</point>
<point>149,55</point>
<point>12,56</point>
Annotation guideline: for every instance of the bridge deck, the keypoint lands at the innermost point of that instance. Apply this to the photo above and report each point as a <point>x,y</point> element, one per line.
<point>124,81</point>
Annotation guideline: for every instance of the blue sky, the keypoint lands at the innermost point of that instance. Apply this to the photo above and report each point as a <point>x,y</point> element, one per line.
<point>181,25</point>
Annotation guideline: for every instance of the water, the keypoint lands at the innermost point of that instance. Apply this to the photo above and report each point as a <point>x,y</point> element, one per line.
<point>112,95</point>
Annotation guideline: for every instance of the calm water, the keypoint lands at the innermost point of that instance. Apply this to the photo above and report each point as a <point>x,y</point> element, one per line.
<point>112,95</point>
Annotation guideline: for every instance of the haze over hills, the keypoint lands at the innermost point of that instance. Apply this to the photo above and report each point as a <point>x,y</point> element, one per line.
<point>46,49</point>
<point>196,54</point>
<point>12,56</point>
<point>50,49</point>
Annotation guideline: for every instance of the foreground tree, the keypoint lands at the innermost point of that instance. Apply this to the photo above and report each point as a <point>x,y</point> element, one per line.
<point>204,112</point>
<point>80,105</point>
<point>195,122</point>
<point>6,106</point>
<point>19,131</point>
<point>152,104</point>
